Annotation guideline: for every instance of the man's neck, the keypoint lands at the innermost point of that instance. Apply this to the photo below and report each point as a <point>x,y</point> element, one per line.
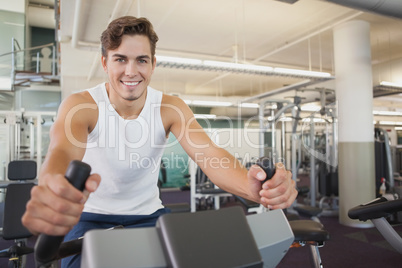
<point>127,109</point>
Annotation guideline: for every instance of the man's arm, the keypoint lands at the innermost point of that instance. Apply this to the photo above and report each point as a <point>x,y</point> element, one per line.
<point>55,205</point>
<point>222,167</point>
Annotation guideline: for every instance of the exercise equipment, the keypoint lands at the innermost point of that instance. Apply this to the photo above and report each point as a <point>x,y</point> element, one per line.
<point>377,211</point>
<point>193,236</point>
<point>144,247</point>
<point>24,135</point>
<point>47,247</point>
<point>312,234</point>
<point>217,238</point>
<point>203,193</point>
<point>267,165</point>
<point>383,159</point>
<point>306,232</point>
<point>261,239</point>
<point>21,173</point>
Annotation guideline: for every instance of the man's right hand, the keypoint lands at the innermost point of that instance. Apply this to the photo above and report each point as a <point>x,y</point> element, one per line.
<point>55,206</point>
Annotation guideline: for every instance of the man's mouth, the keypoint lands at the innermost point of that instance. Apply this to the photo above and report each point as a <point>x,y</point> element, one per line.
<point>130,83</point>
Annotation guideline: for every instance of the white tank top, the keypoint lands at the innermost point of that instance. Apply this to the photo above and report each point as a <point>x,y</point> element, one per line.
<point>127,155</point>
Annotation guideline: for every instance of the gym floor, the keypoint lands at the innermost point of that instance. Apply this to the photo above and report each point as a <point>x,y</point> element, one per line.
<point>348,247</point>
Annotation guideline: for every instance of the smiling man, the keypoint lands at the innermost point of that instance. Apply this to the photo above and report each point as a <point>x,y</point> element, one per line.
<point>106,125</point>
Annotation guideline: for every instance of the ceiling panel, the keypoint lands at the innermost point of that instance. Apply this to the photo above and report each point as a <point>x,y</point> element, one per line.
<point>262,32</point>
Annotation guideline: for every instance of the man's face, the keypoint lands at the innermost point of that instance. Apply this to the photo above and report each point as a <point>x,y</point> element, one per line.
<point>129,67</point>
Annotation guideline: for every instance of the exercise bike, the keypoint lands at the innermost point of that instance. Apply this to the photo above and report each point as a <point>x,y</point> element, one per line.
<point>239,241</point>
<point>378,210</point>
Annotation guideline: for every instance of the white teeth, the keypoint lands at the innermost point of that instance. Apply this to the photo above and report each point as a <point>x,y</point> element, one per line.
<point>131,83</point>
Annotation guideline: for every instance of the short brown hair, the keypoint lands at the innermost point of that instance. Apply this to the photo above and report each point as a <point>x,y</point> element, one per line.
<point>127,25</point>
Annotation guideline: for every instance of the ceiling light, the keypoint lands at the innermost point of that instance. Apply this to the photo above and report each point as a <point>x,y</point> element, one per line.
<point>188,102</point>
<point>178,60</point>
<point>390,84</point>
<point>249,105</point>
<point>390,123</point>
<point>392,113</point>
<point>211,103</point>
<point>287,71</point>
<point>310,108</point>
<point>205,116</point>
<point>315,120</point>
<point>209,65</point>
<point>229,66</point>
<point>288,1</point>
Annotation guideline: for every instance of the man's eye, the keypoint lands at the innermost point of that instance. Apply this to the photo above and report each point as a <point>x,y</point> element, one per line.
<point>142,61</point>
<point>120,60</point>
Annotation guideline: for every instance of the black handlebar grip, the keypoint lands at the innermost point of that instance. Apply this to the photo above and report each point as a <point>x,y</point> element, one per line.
<point>77,174</point>
<point>47,246</point>
<point>267,165</point>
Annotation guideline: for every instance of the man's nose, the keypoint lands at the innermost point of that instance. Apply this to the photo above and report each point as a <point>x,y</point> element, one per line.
<point>131,69</point>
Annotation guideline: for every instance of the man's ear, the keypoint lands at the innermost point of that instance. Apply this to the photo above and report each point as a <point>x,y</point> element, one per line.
<point>104,65</point>
<point>153,64</point>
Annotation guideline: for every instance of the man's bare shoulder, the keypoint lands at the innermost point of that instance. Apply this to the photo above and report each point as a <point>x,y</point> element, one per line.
<point>76,118</point>
<point>173,104</point>
<point>173,100</point>
<point>79,106</point>
<point>79,98</point>
<point>174,112</point>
